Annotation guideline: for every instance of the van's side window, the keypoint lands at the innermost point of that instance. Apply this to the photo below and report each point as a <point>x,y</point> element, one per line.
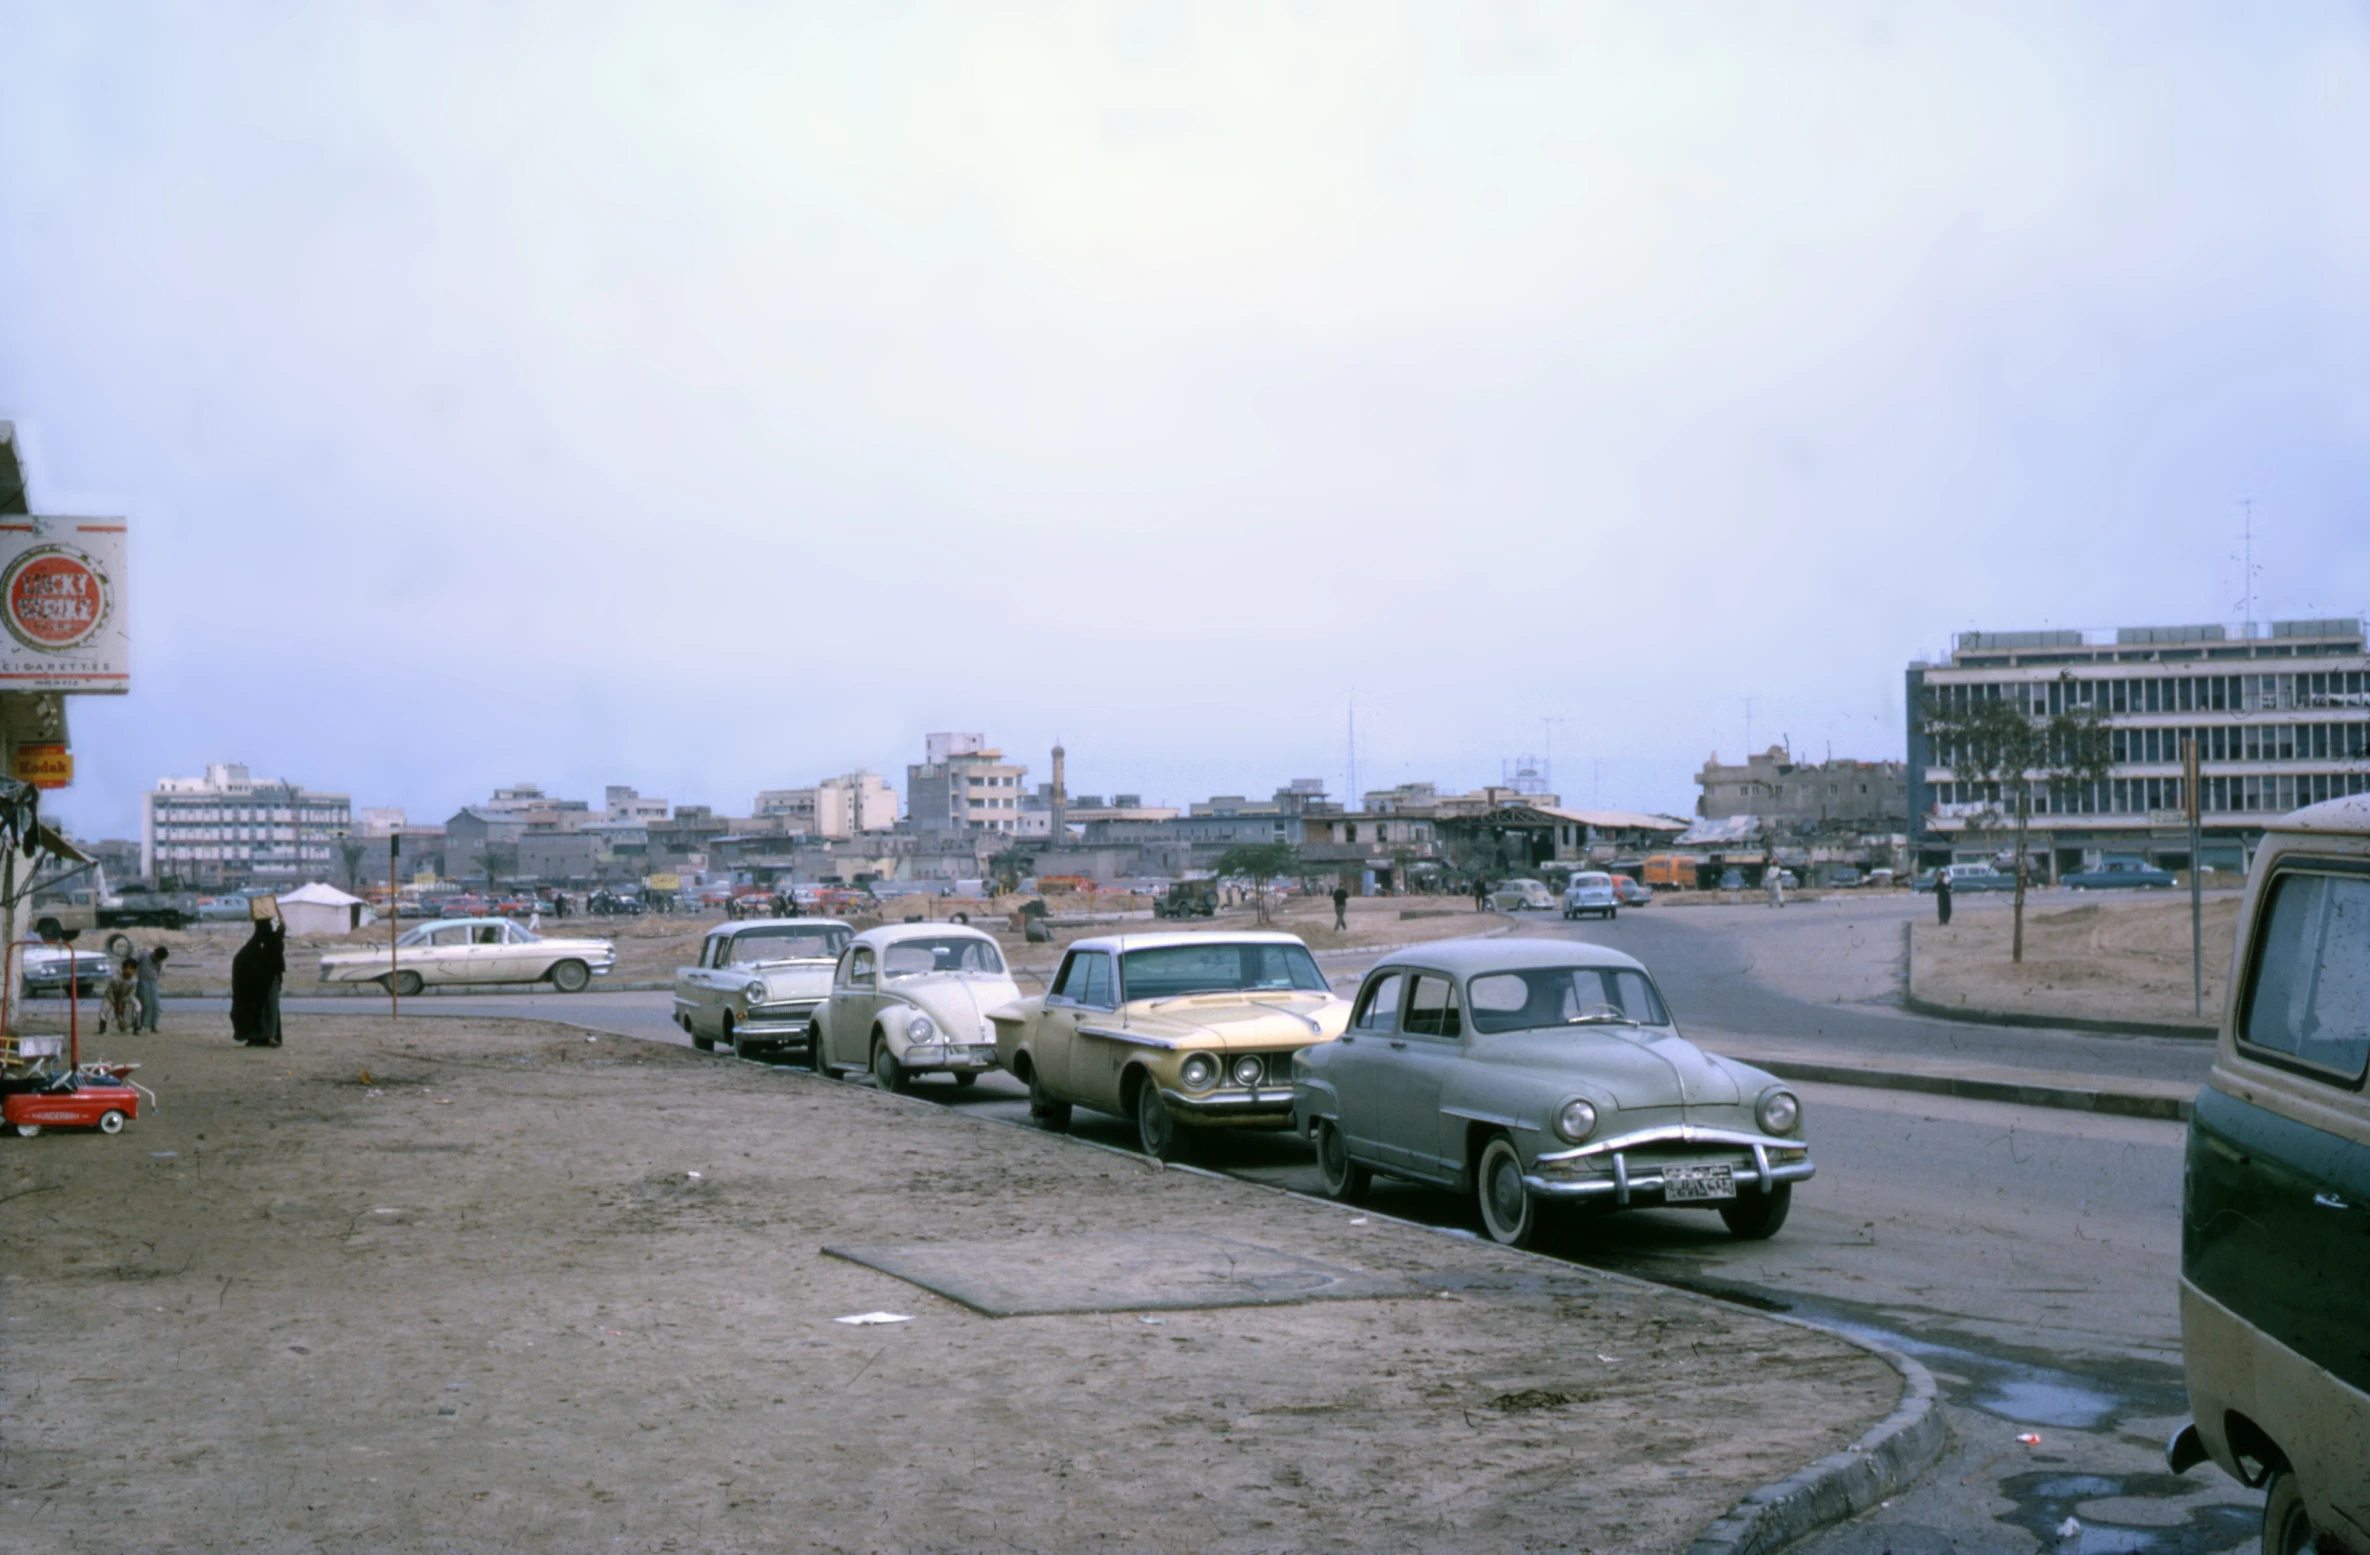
<point>2309,999</point>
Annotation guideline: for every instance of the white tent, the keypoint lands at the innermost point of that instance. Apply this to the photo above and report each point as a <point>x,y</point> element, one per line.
<point>323,909</point>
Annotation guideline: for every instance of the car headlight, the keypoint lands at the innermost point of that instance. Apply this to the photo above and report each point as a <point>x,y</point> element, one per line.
<point>1779,1112</point>
<point>921,1029</point>
<point>1576,1121</point>
<point>1248,1069</point>
<point>754,993</point>
<point>1199,1072</point>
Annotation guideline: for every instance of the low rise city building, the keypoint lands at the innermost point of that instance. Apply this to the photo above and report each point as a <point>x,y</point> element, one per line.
<point>1838,792</point>
<point>962,785</point>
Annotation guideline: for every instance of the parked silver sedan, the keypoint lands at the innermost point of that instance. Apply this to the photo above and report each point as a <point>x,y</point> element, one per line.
<point>1531,1072</point>
<point>757,982</point>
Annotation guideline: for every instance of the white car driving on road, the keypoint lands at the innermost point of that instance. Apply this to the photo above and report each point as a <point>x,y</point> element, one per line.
<point>453,952</point>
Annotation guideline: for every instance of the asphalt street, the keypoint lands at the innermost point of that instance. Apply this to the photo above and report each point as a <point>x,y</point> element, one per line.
<point>2027,1255</point>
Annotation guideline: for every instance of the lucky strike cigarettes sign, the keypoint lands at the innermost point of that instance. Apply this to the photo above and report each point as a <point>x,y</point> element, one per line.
<point>62,620</point>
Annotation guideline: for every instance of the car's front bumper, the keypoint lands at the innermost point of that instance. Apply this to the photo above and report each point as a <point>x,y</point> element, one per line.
<point>951,1057</point>
<point>1265,1107</point>
<point>1619,1170</point>
<point>793,1024</point>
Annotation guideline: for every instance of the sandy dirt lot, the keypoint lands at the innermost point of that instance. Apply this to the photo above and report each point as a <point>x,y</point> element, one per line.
<point>649,949</point>
<point>489,1286</point>
<point>2111,958</point>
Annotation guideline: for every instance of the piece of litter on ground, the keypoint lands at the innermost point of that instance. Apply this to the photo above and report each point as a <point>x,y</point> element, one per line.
<point>162,1155</point>
<point>693,1175</point>
<point>1154,1321</point>
<point>385,1212</point>
<point>867,1319</point>
<point>592,1039</point>
<point>1359,1221</point>
<point>2030,1439</point>
<point>1608,1360</point>
<point>444,1101</point>
<point>2069,1529</point>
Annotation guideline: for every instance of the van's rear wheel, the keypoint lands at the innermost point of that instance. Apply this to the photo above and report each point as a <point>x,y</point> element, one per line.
<point>2287,1526</point>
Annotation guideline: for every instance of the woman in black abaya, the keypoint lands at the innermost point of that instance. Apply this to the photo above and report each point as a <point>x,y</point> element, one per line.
<point>255,974</point>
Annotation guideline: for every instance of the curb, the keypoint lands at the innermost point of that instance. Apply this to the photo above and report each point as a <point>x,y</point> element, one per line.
<point>2182,1032</point>
<point>2069,1098</point>
<point>1910,1001</point>
<point>1843,1484</point>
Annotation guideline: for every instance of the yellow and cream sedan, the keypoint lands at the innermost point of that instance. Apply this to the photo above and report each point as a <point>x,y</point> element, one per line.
<point>1176,1031</point>
<point>457,951</point>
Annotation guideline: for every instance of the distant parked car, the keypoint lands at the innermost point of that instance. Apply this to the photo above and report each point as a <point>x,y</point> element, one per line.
<point>1967,877</point>
<point>1522,896</point>
<point>474,950</point>
<point>1846,877</point>
<point>1732,879</point>
<point>1591,892</point>
<point>223,909</point>
<point>1882,877</point>
<point>2119,874</point>
<point>46,970</point>
<point>1631,892</point>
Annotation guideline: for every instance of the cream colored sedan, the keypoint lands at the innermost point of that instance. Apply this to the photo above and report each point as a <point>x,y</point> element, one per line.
<point>457,951</point>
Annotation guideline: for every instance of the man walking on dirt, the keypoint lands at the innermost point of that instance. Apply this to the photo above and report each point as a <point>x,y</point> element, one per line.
<point>1942,894</point>
<point>1341,906</point>
<point>1480,894</point>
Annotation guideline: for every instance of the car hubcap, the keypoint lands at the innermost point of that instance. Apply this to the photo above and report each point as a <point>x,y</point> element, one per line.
<point>1506,1193</point>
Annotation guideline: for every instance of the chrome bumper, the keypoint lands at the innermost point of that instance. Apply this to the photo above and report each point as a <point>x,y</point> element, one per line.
<point>1624,1185</point>
<point>974,1057</point>
<point>1233,1106</point>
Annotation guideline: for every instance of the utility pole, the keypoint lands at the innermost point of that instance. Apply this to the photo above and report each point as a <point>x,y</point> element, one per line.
<point>2247,578</point>
<point>1548,775</point>
<point>1749,728</point>
<point>1349,801</point>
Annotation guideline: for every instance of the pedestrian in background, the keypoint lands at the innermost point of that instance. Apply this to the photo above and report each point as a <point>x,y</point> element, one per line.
<point>1341,907</point>
<point>123,999</point>
<point>1775,879</point>
<point>149,966</point>
<point>1942,894</point>
<point>1480,894</point>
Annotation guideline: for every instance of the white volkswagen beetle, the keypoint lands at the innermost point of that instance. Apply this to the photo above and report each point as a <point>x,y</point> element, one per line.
<point>455,951</point>
<point>913,998</point>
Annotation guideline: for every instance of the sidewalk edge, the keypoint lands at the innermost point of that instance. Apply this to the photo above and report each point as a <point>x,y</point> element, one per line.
<point>1888,1459</point>
<point>2070,1098</point>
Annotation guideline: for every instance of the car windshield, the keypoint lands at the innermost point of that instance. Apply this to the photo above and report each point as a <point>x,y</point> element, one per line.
<point>1565,996</point>
<point>804,942</point>
<point>1170,971</point>
<point>952,953</point>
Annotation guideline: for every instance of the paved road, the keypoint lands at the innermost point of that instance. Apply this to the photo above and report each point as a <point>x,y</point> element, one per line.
<point>2027,1255</point>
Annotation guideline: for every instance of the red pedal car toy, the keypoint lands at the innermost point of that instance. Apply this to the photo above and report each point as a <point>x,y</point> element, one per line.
<point>100,1096</point>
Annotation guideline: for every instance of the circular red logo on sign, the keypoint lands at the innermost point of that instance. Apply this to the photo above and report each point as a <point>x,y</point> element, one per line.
<point>53,598</point>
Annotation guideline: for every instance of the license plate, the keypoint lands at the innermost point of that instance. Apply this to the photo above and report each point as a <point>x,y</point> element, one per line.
<point>1694,1184</point>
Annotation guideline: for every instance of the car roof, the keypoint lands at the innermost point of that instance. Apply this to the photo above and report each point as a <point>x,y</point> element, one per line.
<point>2350,814</point>
<point>890,933</point>
<point>452,923</point>
<point>1122,942</point>
<point>1469,957</point>
<point>746,924</point>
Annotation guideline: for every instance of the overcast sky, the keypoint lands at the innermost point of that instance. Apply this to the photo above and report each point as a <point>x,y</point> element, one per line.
<point>716,398</point>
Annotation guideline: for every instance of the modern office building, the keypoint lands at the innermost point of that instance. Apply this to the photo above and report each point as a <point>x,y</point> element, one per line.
<point>227,828</point>
<point>2281,715</point>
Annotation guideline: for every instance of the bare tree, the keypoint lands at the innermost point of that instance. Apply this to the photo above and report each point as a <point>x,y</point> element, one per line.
<point>2006,742</point>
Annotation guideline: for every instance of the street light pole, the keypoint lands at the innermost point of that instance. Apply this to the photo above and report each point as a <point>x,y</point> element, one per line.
<point>394,928</point>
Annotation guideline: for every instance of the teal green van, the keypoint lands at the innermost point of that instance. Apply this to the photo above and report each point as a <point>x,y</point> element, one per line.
<point>2275,1205</point>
